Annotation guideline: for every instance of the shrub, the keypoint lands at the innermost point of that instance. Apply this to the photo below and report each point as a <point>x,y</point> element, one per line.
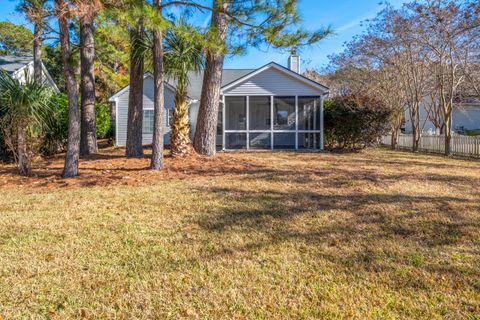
<point>26,115</point>
<point>5,155</point>
<point>57,137</point>
<point>355,121</point>
<point>103,120</point>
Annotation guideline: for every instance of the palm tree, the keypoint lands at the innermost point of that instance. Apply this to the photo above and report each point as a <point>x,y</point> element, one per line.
<point>182,55</point>
<point>26,112</point>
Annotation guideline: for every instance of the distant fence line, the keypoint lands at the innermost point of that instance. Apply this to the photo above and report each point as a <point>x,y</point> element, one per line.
<point>465,146</point>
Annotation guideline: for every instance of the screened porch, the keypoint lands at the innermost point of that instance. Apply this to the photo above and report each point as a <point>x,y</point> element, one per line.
<point>270,122</point>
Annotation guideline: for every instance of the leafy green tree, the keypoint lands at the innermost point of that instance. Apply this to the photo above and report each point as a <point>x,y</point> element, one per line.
<point>112,51</point>
<point>52,59</point>
<point>15,39</point>
<point>26,114</point>
<point>183,54</point>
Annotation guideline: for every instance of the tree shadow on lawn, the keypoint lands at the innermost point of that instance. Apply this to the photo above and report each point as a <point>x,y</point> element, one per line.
<point>337,176</point>
<point>364,221</point>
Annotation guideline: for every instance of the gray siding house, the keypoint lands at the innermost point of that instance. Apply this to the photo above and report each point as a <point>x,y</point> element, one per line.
<point>271,107</point>
<point>20,67</point>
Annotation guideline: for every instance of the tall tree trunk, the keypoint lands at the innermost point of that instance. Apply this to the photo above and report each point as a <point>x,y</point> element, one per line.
<point>448,129</point>
<point>135,98</point>
<point>397,124</point>
<point>206,131</point>
<point>37,52</point>
<point>394,140</point>
<point>180,141</point>
<point>88,144</point>
<point>70,168</point>
<point>24,165</point>
<point>414,117</point>
<point>158,103</point>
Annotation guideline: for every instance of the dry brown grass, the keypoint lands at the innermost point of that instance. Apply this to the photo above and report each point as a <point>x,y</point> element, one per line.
<point>376,234</point>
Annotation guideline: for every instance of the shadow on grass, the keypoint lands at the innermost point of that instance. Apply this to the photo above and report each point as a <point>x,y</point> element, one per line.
<point>361,221</point>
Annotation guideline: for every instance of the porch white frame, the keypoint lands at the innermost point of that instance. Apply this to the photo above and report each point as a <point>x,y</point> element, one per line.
<point>272,131</point>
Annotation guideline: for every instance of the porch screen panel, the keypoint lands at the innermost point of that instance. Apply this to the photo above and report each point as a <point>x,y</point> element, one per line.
<point>260,140</point>
<point>284,140</point>
<point>219,139</point>
<point>308,113</point>
<point>284,113</point>
<point>235,140</point>
<point>235,113</point>
<point>309,141</point>
<point>317,112</point>
<point>259,109</point>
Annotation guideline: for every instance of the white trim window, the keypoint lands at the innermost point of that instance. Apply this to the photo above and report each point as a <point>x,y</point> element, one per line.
<point>169,117</point>
<point>148,119</point>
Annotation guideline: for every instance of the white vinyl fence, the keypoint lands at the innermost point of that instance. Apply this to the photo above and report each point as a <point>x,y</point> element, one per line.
<point>465,146</point>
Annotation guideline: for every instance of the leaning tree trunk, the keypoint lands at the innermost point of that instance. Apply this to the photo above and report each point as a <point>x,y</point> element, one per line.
<point>24,165</point>
<point>70,168</point>
<point>180,141</point>
<point>158,100</point>
<point>205,134</point>
<point>135,98</point>
<point>88,144</point>
<point>37,52</point>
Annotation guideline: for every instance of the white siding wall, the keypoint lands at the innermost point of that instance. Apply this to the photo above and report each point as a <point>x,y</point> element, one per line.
<point>20,75</point>
<point>193,112</point>
<point>122,112</point>
<point>467,117</point>
<point>273,82</point>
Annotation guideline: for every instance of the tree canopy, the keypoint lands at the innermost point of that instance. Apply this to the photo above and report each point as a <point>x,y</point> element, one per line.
<point>15,39</point>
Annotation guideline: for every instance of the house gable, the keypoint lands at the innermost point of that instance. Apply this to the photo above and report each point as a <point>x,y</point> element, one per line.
<point>274,79</point>
<point>120,101</point>
<point>148,92</point>
<point>20,68</point>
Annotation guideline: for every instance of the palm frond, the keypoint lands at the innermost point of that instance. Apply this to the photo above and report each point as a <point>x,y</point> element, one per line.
<point>28,102</point>
<point>183,52</point>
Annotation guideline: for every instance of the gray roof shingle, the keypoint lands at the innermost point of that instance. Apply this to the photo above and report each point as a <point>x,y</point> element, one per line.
<point>11,64</point>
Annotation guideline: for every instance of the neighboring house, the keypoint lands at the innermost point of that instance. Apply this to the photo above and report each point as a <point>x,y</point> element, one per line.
<point>21,66</point>
<point>465,116</point>
<point>250,99</point>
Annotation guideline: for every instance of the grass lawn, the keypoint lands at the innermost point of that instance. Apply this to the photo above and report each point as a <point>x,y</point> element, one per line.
<point>376,234</point>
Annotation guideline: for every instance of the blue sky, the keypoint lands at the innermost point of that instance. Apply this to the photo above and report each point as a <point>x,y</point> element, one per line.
<point>345,16</point>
